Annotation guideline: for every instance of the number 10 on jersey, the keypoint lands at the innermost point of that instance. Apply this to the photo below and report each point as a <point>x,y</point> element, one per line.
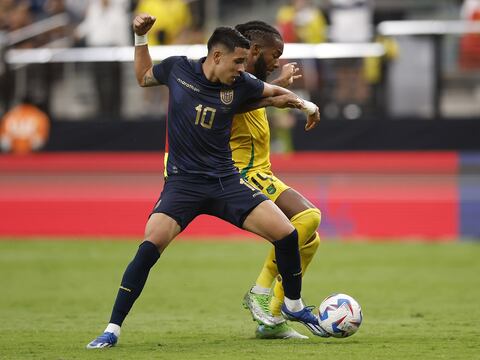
<point>205,116</point>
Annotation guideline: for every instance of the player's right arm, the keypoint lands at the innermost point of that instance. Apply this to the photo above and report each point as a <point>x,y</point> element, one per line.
<point>143,62</point>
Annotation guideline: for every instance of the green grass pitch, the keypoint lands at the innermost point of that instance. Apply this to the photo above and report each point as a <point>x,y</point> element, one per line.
<point>420,301</point>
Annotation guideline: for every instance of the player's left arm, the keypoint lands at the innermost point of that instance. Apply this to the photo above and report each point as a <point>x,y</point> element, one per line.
<point>312,111</point>
<point>291,101</point>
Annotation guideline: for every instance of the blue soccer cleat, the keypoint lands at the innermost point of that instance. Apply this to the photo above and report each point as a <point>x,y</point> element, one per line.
<point>307,318</point>
<point>107,339</point>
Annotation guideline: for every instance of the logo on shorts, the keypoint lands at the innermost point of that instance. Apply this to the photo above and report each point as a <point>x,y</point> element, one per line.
<point>271,189</point>
<point>226,96</point>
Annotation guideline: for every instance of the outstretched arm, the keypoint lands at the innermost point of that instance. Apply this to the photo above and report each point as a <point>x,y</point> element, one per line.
<point>143,62</point>
<point>291,101</point>
<point>313,113</point>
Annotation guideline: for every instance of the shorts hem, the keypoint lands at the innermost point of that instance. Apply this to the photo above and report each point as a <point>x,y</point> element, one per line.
<point>176,218</point>
<point>245,215</point>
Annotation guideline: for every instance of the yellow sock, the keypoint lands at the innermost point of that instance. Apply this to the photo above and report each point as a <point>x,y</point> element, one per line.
<point>269,271</point>
<point>306,224</point>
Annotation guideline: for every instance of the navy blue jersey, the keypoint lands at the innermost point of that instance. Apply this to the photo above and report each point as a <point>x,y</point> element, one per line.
<point>200,115</point>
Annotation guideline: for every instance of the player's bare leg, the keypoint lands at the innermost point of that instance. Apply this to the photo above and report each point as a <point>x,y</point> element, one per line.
<point>268,221</point>
<point>159,232</point>
<point>161,229</point>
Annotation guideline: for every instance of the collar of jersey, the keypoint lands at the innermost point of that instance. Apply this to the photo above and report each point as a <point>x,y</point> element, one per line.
<point>198,65</point>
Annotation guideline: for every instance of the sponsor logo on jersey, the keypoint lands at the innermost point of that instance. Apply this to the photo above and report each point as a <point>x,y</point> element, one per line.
<point>187,85</point>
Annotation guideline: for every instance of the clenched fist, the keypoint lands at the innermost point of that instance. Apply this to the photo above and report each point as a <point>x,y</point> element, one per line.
<point>143,23</point>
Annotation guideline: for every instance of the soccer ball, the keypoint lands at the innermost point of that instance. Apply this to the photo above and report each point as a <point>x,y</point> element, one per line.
<point>340,315</point>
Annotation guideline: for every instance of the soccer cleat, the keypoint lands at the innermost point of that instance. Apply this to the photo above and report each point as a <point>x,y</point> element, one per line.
<point>107,339</point>
<point>258,306</point>
<point>307,318</point>
<point>280,331</point>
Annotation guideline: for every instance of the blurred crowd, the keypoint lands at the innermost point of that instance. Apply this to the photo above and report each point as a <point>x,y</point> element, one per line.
<point>100,22</point>
<point>107,22</point>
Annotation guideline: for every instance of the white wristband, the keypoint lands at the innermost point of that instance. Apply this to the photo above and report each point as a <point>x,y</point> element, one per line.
<point>309,107</point>
<point>140,40</point>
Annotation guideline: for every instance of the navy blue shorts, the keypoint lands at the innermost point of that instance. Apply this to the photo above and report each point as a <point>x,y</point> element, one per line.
<point>229,198</point>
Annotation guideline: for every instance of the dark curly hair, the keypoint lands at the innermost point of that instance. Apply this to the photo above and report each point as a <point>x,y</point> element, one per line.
<point>256,30</point>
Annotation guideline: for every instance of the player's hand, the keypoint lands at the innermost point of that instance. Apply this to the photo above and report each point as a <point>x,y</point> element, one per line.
<point>288,74</point>
<point>287,101</point>
<point>312,120</point>
<point>143,23</point>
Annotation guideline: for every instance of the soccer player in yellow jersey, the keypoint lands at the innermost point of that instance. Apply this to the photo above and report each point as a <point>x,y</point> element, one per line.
<point>250,144</point>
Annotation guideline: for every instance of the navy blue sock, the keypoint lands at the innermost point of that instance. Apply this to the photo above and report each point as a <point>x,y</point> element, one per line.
<point>287,255</point>
<point>133,281</point>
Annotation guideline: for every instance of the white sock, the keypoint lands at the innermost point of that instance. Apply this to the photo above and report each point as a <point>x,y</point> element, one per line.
<point>260,290</point>
<point>294,305</point>
<point>113,328</point>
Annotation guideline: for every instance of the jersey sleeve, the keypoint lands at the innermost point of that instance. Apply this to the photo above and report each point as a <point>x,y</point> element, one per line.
<point>162,70</point>
<point>254,87</point>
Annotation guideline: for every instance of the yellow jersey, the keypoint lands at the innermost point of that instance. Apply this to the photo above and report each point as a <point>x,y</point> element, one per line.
<point>250,141</point>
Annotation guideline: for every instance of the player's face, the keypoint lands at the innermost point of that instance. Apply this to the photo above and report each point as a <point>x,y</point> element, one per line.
<point>268,60</point>
<point>231,64</point>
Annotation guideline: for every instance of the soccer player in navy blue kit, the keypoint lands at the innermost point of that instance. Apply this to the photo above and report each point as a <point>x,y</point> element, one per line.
<point>200,175</point>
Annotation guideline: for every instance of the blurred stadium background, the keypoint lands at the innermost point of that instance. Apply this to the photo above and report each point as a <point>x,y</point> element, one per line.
<point>394,163</point>
<point>396,154</point>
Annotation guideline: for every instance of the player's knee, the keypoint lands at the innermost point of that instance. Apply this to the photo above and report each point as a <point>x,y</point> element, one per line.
<point>309,220</point>
<point>161,230</point>
<point>314,242</point>
<point>286,230</point>
<point>314,218</point>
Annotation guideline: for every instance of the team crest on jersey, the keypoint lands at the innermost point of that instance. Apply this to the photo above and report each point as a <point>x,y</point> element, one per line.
<point>226,96</point>
<point>271,189</point>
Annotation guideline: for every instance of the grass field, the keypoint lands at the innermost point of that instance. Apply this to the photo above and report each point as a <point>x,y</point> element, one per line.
<point>420,301</point>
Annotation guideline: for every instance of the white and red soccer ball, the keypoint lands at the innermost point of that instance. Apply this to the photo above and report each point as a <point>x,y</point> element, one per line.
<point>340,315</point>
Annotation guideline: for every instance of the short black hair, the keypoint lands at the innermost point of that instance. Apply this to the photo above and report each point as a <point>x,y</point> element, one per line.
<point>257,30</point>
<point>228,37</point>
